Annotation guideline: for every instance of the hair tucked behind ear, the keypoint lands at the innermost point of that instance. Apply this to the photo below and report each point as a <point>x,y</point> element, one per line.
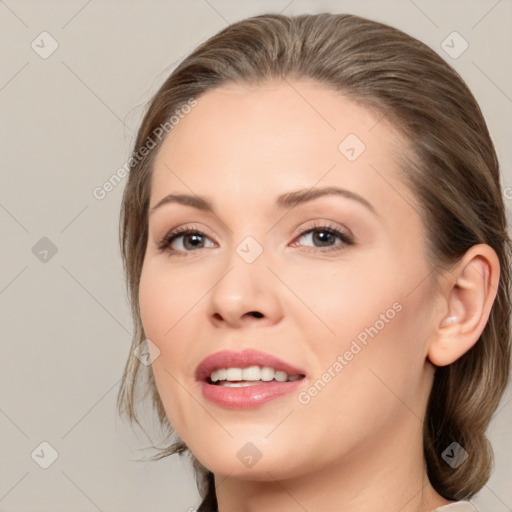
<point>451,166</point>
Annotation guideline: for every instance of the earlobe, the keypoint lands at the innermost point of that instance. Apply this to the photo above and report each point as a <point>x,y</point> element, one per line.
<point>469,297</point>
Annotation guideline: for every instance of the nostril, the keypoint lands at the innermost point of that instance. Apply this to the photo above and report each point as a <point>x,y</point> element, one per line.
<point>256,314</point>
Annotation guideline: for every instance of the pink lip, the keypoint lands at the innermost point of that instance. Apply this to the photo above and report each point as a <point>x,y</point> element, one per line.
<point>249,396</point>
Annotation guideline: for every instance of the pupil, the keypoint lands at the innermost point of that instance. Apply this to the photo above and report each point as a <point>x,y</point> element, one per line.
<point>194,241</point>
<point>323,237</point>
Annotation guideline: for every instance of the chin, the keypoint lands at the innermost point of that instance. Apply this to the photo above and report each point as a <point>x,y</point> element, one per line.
<point>260,471</point>
<point>243,461</point>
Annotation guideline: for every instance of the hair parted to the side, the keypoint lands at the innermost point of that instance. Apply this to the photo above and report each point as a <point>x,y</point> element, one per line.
<point>452,168</point>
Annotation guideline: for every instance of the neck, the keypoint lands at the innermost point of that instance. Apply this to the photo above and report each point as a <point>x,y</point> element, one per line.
<point>387,474</point>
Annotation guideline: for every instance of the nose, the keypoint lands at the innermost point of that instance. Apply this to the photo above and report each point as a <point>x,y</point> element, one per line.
<point>248,293</point>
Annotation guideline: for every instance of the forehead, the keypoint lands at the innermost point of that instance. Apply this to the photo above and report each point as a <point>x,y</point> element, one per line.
<point>276,137</point>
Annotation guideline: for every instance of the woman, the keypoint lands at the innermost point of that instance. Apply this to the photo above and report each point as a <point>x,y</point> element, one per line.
<point>317,255</point>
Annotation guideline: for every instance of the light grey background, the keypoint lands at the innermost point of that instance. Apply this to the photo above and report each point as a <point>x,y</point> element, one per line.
<point>67,124</point>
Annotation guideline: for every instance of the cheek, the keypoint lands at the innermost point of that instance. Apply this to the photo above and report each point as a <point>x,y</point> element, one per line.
<point>365,324</point>
<point>344,302</point>
<point>162,312</point>
<point>368,377</point>
<point>165,298</point>
<point>172,312</point>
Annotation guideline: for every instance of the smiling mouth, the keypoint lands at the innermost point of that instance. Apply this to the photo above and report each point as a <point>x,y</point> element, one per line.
<point>249,376</point>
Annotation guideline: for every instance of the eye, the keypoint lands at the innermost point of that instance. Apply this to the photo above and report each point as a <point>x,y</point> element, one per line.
<point>324,236</point>
<point>183,240</point>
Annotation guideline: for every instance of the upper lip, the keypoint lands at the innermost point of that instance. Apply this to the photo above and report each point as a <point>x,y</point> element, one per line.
<point>248,357</point>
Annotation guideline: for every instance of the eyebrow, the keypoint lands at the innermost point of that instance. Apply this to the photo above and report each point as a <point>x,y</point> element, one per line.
<point>287,200</point>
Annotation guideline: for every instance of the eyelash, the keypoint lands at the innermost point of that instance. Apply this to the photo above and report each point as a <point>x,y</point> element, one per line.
<point>168,239</point>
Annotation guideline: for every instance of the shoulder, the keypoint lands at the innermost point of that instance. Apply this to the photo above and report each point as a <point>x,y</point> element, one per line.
<point>458,506</point>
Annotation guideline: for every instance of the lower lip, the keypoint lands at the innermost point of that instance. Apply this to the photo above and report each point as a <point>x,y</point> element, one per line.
<point>247,397</point>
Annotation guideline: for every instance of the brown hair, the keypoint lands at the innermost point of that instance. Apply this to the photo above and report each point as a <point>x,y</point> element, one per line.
<point>453,171</point>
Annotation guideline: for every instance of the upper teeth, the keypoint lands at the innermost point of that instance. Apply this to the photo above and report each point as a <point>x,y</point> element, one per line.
<point>251,373</point>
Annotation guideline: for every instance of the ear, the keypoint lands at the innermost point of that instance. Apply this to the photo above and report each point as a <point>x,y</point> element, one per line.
<point>467,298</point>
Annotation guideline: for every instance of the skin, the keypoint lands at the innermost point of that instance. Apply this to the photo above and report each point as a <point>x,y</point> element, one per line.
<point>359,441</point>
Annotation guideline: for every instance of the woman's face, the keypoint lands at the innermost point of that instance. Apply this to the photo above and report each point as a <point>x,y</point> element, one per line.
<point>335,285</point>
